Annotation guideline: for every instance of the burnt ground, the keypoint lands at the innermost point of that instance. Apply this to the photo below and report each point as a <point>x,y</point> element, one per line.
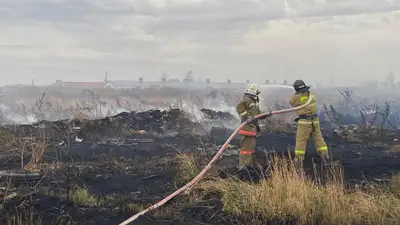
<point>127,162</point>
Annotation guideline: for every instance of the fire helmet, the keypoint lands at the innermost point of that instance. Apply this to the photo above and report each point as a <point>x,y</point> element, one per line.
<point>300,86</point>
<point>253,89</point>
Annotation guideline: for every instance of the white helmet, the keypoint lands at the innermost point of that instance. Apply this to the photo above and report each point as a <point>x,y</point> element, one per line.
<point>253,89</point>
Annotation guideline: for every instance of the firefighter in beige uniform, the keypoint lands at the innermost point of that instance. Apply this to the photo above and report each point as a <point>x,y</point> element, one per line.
<point>247,108</point>
<point>307,122</point>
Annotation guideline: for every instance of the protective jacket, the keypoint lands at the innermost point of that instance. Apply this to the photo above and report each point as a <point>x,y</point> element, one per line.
<point>300,99</point>
<point>248,107</point>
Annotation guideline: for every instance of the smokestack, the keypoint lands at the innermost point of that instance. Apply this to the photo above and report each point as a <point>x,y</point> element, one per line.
<point>164,77</point>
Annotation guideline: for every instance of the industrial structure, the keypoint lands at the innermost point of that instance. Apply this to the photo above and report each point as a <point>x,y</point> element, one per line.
<point>188,82</point>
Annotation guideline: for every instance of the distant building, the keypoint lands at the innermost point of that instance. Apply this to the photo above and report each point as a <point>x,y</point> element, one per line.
<point>82,85</point>
<point>172,83</point>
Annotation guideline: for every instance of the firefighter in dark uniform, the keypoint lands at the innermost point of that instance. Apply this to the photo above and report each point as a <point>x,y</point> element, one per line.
<point>247,108</point>
<point>307,122</point>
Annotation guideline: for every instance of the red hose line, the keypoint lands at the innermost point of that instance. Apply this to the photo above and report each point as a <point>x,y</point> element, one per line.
<point>209,165</point>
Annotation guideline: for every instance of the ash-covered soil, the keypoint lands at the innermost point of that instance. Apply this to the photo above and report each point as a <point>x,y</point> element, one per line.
<point>127,161</point>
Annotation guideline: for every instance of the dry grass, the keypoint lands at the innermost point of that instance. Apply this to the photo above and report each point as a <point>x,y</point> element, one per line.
<point>29,218</point>
<point>394,185</point>
<point>81,196</point>
<point>188,168</point>
<point>37,151</point>
<point>134,207</point>
<point>289,195</point>
<point>23,219</point>
<point>9,140</point>
<point>395,148</point>
<point>165,213</point>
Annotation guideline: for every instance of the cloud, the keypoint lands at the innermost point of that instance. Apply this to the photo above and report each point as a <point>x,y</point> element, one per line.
<point>348,40</point>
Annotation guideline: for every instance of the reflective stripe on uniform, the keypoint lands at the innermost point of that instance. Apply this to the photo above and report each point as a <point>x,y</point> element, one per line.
<point>325,148</point>
<point>302,121</point>
<point>299,152</point>
<point>243,113</point>
<point>246,152</point>
<point>247,133</point>
<point>252,104</point>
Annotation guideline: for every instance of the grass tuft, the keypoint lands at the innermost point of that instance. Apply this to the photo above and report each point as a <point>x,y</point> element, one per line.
<point>81,196</point>
<point>134,207</point>
<point>290,196</point>
<point>187,168</point>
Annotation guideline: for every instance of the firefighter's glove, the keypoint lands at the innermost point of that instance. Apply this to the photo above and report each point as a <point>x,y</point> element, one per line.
<point>269,114</point>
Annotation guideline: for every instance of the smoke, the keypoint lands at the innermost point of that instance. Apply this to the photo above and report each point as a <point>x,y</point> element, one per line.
<point>11,113</point>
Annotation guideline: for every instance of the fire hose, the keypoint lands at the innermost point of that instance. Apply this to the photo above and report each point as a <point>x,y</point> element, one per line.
<point>210,164</point>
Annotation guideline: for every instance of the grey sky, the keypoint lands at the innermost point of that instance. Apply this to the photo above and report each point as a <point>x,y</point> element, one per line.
<point>350,40</point>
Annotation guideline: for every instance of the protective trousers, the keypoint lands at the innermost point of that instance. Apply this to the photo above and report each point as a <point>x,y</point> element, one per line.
<point>305,129</point>
<point>247,146</point>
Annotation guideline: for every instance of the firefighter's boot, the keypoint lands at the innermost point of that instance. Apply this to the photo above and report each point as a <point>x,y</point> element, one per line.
<point>243,172</point>
<point>248,173</point>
